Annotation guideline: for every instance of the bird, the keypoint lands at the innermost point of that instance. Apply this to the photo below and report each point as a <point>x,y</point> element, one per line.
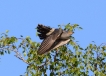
<point>52,38</point>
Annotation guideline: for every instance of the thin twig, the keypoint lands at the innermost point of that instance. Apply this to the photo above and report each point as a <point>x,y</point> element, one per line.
<point>102,44</point>
<point>18,55</point>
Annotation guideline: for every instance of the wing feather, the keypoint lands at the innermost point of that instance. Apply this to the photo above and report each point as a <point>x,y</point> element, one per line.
<point>60,43</point>
<point>45,45</point>
<point>57,44</point>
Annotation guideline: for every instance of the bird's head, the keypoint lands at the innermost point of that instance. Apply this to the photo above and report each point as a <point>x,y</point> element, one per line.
<point>66,34</point>
<point>70,32</point>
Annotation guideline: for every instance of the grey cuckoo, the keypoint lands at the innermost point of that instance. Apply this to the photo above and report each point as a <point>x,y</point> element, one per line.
<point>52,38</point>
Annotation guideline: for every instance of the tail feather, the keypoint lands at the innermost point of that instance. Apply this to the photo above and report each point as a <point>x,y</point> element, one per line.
<point>43,30</point>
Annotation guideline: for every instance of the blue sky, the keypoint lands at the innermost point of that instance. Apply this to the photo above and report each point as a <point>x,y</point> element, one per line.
<point>21,17</point>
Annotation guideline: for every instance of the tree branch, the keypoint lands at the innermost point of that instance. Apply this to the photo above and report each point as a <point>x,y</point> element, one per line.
<point>18,55</point>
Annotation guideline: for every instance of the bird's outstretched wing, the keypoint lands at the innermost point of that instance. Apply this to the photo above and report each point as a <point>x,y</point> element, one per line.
<point>49,41</point>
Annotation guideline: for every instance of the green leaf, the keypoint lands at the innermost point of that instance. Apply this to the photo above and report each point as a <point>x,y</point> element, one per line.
<point>24,54</point>
<point>7,31</point>
<point>90,46</point>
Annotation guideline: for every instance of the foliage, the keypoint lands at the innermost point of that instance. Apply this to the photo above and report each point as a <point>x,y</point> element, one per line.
<point>67,60</point>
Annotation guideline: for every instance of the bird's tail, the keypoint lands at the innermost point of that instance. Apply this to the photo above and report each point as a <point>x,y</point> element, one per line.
<point>43,30</point>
